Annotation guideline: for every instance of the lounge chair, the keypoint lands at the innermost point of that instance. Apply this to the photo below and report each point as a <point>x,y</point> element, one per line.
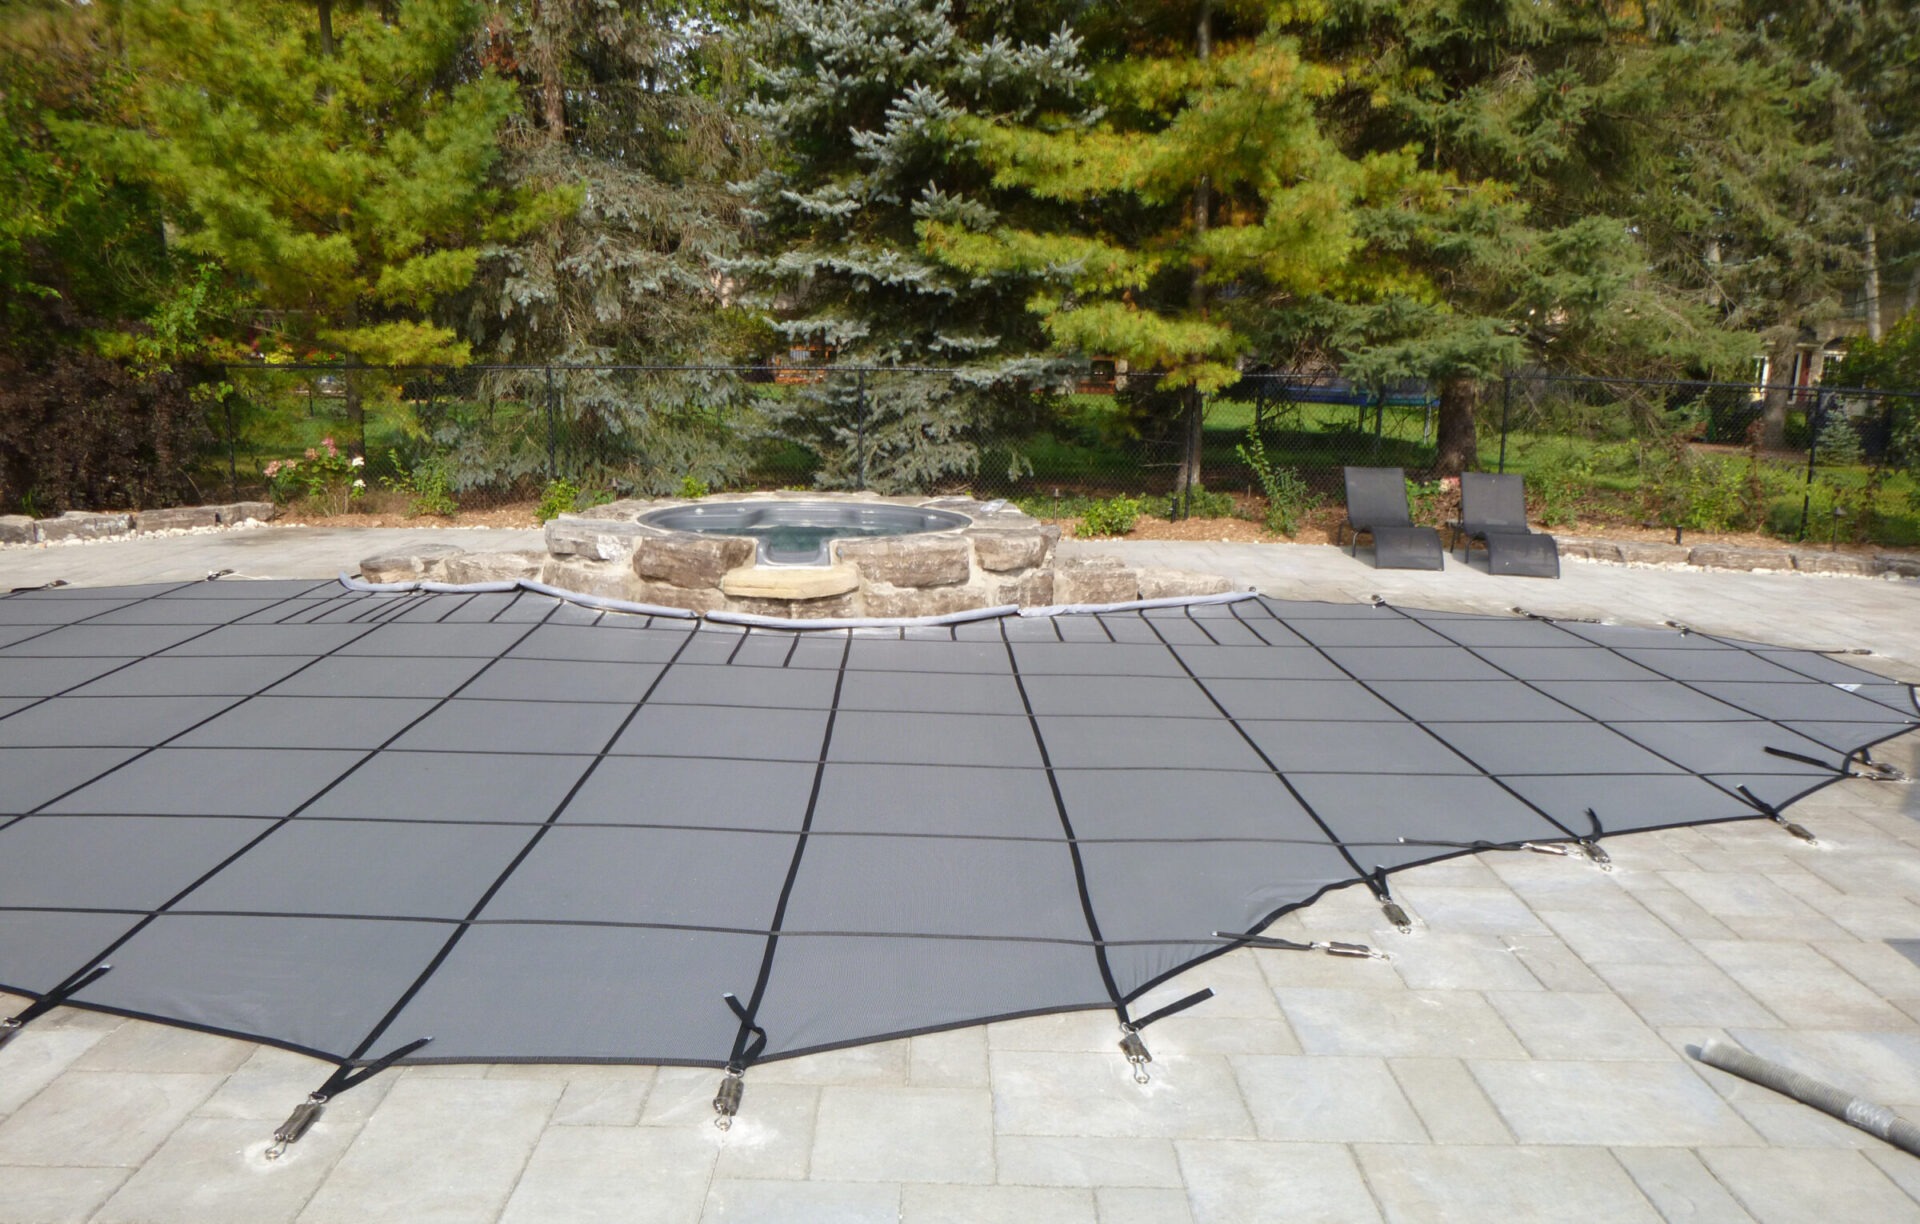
<point>1377,506</point>
<point>1494,509</point>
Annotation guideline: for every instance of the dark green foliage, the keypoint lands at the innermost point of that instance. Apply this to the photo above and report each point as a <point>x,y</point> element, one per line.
<point>1113,517</point>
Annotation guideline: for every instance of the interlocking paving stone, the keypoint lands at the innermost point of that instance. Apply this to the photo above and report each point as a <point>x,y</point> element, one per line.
<point>808,1202</point>
<point>1683,1189</point>
<point>1398,1025</point>
<point>1229,1182</point>
<point>1190,1096</point>
<point>1473,1185</point>
<point>586,1173</point>
<point>904,1134</point>
<point>1133,1205</point>
<point>65,1123</point>
<point>1616,1103</point>
<point>939,1204</point>
<point>36,1057</point>
<point>53,1195</point>
<point>1072,1160</point>
<point>1328,1100</point>
<point>1801,986</point>
<point>190,1179</point>
<point>1579,1026</point>
<point>439,1151</point>
<point>774,1139</point>
<point>1449,1101</point>
<point>1785,1186</point>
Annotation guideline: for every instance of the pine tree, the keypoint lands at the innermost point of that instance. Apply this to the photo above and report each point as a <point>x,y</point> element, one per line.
<point>1207,178</point>
<point>341,171</point>
<point>866,106</point>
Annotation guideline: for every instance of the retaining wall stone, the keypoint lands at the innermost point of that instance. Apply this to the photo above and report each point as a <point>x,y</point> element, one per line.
<point>420,564</point>
<point>1002,551</point>
<point>17,529</point>
<point>176,518</point>
<point>1077,583</point>
<point>1831,563</point>
<point>689,560</point>
<point>595,539</point>
<point>84,525</point>
<point>1733,557</point>
<point>1646,552</point>
<point>607,579</point>
<point>492,567</point>
<point>885,599</point>
<point>1157,583</point>
<point>909,561</point>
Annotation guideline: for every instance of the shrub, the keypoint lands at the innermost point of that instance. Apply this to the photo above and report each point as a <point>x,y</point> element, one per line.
<point>1202,503</point>
<point>1839,442</point>
<point>426,487</point>
<point>1113,517</point>
<point>692,487</point>
<point>326,477</point>
<point>1289,498</point>
<point>556,499</point>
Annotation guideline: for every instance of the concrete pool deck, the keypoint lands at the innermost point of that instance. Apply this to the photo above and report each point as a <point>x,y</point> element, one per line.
<point>1521,1056</point>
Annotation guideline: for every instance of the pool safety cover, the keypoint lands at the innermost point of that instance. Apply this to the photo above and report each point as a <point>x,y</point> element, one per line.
<point>342,821</point>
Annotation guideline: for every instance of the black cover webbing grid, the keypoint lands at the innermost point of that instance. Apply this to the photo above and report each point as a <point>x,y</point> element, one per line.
<point>338,821</point>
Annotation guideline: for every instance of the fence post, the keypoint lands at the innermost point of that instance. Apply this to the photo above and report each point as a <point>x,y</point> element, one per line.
<point>1379,418</point>
<point>860,434</point>
<point>233,444</point>
<point>1817,419</point>
<point>1506,411</point>
<point>553,472</point>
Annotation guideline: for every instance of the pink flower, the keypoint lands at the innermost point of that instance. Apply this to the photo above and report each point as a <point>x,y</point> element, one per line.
<point>312,453</point>
<point>1450,482</point>
<point>273,468</point>
<point>328,443</point>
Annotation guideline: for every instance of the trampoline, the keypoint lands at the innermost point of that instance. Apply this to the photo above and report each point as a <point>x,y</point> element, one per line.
<point>346,822</point>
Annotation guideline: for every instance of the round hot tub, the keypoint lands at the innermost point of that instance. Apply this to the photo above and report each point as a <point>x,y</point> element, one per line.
<point>799,532</point>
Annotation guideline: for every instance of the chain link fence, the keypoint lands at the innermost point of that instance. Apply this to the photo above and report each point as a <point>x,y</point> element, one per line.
<point>1799,463</point>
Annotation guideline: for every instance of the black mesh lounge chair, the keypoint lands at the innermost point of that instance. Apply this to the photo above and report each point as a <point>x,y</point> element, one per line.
<point>1377,506</point>
<point>1494,508</point>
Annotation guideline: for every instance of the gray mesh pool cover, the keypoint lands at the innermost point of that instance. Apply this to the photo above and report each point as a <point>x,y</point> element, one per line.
<point>339,821</point>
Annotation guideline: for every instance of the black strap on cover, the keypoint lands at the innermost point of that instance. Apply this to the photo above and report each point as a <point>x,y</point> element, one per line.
<point>1804,760</point>
<point>50,1000</point>
<point>1173,1009</point>
<point>745,1051</point>
<point>350,1077</point>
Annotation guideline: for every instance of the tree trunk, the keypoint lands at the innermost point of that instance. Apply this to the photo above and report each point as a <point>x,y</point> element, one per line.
<point>1773,417</point>
<point>546,64</point>
<point>326,27</point>
<point>1913,290</point>
<point>1873,283</point>
<point>1458,445</point>
<point>1193,431</point>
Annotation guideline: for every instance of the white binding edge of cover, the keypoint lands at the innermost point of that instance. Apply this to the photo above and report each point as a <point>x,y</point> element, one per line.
<point>1134,605</point>
<point>606,604</point>
<point>585,600</point>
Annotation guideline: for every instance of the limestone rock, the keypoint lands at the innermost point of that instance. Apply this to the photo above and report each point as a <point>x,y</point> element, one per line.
<point>1586,549</point>
<point>627,509</point>
<point>1103,583</point>
<point>84,525</point>
<point>1001,551</point>
<point>668,595</point>
<point>693,561</point>
<point>595,539</point>
<point>1643,552</point>
<point>909,561</point>
<point>177,518</point>
<point>17,529</point>
<point>1812,562</point>
<point>1157,583</point>
<point>832,605</point>
<point>422,563</point>
<point>1033,589</point>
<point>1732,557</point>
<point>885,599</point>
<point>791,583</point>
<point>1894,563</point>
<point>471,567</point>
<point>607,579</point>
<point>240,512</point>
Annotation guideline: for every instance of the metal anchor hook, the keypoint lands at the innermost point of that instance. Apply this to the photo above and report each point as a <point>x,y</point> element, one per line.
<point>726,1102</point>
<point>298,1123</point>
<point>1136,1052</point>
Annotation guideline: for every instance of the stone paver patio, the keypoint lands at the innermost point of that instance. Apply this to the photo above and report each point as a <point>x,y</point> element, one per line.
<point>1521,1057</point>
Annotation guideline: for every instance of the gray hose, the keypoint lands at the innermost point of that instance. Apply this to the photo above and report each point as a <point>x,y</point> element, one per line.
<point>1874,1119</point>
